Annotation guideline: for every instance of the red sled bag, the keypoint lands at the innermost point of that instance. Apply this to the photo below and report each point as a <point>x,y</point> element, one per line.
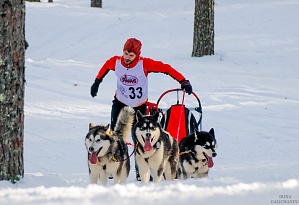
<point>178,121</point>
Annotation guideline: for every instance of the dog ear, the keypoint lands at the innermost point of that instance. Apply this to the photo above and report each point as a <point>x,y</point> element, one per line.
<point>108,129</point>
<point>196,132</point>
<point>212,132</point>
<point>139,116</point>
<point>156,116</point>
<point>91,125</point>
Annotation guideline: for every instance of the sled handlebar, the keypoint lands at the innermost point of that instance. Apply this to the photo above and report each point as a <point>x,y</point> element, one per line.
<point>198,109</point>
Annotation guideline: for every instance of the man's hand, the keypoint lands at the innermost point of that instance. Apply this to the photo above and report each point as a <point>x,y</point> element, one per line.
<point>95,87</point>
<point>186,85</point>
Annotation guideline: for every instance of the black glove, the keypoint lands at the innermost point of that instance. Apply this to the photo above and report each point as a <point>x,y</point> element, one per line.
<point>95,87</point>
<point>185,85</point>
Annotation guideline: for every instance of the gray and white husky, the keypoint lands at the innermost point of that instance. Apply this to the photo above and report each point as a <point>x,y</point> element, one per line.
<point>156,150</point>
<point>107,150</point>
<point>196,152</point>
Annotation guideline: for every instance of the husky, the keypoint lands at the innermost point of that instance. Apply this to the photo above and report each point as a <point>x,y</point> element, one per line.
<point>156,150</point>
<point>196,152</point>
<point>108,151</point>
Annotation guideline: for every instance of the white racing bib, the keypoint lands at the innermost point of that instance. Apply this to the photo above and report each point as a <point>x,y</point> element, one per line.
<point>132,84</point>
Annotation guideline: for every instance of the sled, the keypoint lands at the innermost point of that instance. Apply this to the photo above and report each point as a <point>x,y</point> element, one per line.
<point>177,119</point>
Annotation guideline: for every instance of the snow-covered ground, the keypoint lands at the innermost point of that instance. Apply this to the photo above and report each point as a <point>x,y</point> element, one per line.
<point>249,91</point>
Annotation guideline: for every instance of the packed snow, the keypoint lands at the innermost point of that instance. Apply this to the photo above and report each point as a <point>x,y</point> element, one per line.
<point>249,92</point>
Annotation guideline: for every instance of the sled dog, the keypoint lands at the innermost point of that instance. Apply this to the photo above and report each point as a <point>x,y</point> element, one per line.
<point>196,152</point>
<point>107,150</point>
<point>157,152</point>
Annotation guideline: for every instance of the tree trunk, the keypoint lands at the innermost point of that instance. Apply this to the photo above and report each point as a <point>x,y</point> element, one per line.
<point>203,36</point>
<point>96,3</point>
<point>12,66</point>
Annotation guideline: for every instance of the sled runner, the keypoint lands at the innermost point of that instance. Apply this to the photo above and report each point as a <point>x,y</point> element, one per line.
<point>178,120</point>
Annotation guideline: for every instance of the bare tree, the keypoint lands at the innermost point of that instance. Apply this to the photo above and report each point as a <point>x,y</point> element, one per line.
<point>203,36</point>
<point>12,66</point>
<point>96,3</point>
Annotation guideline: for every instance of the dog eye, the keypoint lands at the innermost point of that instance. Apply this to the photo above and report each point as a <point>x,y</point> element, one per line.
<point>142,128</point>
<point>98,140</point>
<point>152,128</point>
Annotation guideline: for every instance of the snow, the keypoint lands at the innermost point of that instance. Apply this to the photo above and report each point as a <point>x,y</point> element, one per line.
<point>248,90</point>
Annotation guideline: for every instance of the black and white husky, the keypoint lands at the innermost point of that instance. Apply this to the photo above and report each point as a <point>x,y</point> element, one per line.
<point>196,152</point>
<point>156,150</point>
<point>107,150</point>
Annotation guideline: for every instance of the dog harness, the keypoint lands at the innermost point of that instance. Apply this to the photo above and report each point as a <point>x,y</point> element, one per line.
<point>132,84</point>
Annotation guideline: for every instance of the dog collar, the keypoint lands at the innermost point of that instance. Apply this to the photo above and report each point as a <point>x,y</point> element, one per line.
<point>186,152</point>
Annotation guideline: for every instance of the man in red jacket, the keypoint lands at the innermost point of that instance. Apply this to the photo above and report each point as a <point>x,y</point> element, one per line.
<point>132,83</point>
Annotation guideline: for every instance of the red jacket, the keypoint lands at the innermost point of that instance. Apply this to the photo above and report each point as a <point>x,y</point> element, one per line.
<point>149,66</point>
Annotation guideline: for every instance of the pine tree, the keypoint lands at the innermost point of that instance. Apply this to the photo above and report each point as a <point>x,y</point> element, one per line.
<point>12,66</point>
<point>203,36</point>
<point>96,3</point>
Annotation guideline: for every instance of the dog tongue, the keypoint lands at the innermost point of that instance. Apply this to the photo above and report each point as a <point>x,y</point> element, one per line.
<point>147,145</point>
<point>93,158</point>
<point>210,162</point>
